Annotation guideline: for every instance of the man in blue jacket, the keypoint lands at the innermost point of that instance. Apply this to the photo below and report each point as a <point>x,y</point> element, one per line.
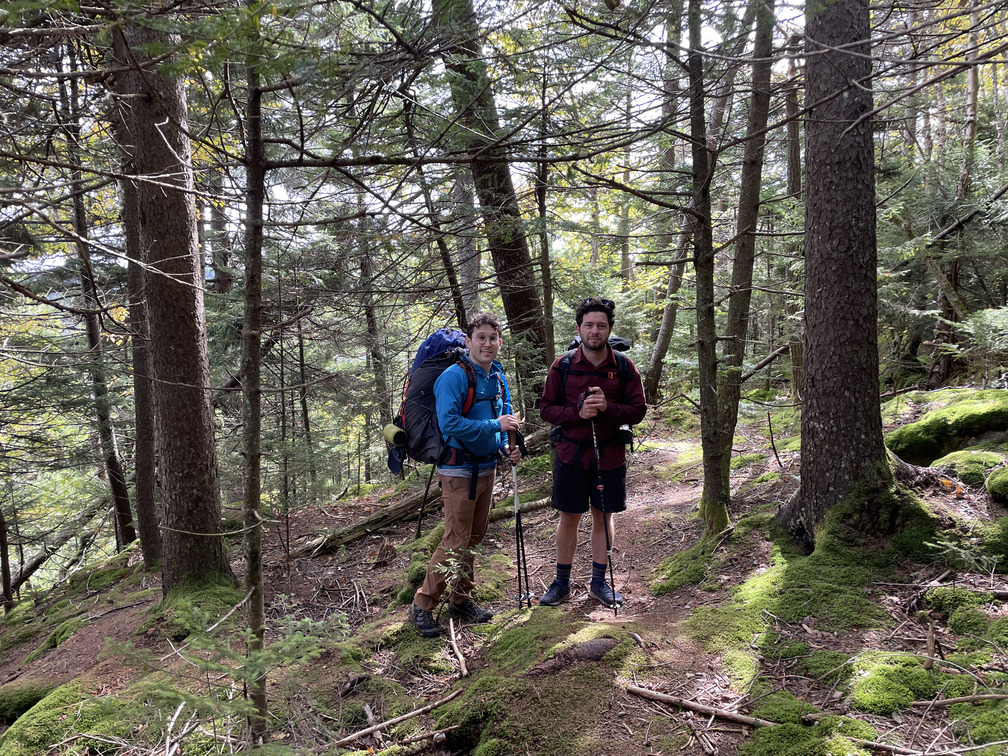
<point>466,473</point>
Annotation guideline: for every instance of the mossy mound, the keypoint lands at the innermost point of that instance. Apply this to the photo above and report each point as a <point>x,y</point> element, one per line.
<point>956,419</point>
<point>891,684</point>
<point>64,712</point>
<point>15,700</point>
<point>997,485</point>
<point>972,466</point>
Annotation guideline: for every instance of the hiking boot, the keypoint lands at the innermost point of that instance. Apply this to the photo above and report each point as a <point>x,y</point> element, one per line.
<point>423,621</point>
<point>602,593</point>
<point>470,611</point>
<point>557,592</point>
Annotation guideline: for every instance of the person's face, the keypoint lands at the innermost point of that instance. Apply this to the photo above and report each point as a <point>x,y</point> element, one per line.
<point>484,345</point>
<point>594,330</point>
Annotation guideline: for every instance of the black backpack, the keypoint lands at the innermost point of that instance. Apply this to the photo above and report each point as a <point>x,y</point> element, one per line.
<point>619,345</point>
<point>414,432</point>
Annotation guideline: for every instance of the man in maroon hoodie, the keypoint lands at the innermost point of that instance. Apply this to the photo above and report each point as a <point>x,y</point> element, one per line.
<point>589,394</point>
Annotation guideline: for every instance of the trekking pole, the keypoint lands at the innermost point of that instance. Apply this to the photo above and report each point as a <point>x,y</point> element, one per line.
<point>519,534</point>
<point>423,502</point>
<point>600,487</point>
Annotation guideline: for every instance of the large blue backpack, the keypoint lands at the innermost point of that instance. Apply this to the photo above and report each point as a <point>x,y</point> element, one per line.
<point>422,440</point>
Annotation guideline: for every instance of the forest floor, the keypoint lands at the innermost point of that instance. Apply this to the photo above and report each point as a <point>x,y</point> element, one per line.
<point>361,581</point>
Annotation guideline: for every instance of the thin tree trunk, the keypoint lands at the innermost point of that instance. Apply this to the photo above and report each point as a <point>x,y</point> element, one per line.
<point>541,189</point>
<point>5,574</point>
<point>713,508</point>
<point>745,247</point>
<point>663,331</point>
<point>143,388</point>
<point>794,187</point>
<point>255,193</point>
<point>439,239</point>
<point>125,534</point>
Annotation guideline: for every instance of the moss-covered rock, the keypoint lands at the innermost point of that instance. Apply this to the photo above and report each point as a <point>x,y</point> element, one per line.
<point>15,700</point>
<point>956,419</point>
<point>64,711</point>
<point>997,485</point>
<point>972,466</point>
<point>889,684</point>
<point>968,620</point>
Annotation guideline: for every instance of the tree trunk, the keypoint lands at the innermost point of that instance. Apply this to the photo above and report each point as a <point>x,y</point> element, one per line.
<point>477,114</point>
<point>713,505</point>
<point>125,533</point>
<point>155,108</point>
<point>439,236</point>
<point>794,187</point>
<point>745,246</point>
<point>541,189</point>
<point>255,193</point>
<point>662,333</point>
<point>841,441</point>
<point>7,593</point>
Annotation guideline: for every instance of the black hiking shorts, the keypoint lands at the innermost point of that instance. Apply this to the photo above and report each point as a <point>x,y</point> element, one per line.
<point>575,489</point>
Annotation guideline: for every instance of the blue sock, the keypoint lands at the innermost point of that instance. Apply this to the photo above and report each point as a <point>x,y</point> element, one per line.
<point>563,573</point>
<point>598,573</point>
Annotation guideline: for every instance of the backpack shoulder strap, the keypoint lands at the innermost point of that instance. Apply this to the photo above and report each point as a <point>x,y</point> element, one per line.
<point>470,374</point>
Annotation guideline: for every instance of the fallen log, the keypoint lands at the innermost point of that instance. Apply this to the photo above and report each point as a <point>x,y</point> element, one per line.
<point>732,716</point>
<point>50,547</point>
<point>403,511</point>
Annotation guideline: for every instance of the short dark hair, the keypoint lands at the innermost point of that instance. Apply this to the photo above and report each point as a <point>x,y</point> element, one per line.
<point>595,304</point>
<point>483,319</point>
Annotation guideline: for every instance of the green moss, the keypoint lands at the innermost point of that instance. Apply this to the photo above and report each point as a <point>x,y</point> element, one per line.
<point>15,700</point>
<point>993,537</point>
<point>983,723</point>
<point>687,567</point>
<point>949,598</point>
<point>769,477</point>
<point>997,485</point>
<point>958,419</point>
<point>888,684</point>
<point>795,740</point>
<point>775,646</point>
<point>971,466</point>
<point>55,638</point>
<point>744,460</point>
<point>997,632</point>
<point>63,712</point>
<point>782,707</point>
<point>968,620</point>
<point>851,728</point>
<point>828,667</point>
<point>538,464</point>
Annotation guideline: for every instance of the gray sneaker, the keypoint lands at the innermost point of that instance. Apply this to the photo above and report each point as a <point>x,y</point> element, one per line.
<point>557,592</point>
<point>602,593</point>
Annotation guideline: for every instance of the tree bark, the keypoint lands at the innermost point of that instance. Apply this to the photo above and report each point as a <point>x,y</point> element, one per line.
<point>477,114</point>
<point>155,107</point>
<point>745,247</point>
<point>713,505</point>
<point>841,443</point>
<point>255,193</point>
<point>125,533</point>
<point>7,593</point>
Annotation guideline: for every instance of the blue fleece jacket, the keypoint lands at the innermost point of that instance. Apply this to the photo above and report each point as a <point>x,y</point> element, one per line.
<point>480,432</point>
